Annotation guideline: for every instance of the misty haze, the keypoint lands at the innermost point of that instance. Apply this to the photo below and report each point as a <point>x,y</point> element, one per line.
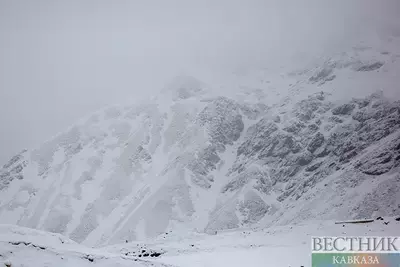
<point>196,133</point>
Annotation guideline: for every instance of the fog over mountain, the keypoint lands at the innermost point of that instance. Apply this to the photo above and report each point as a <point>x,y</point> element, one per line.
<point>294,145</point>
<point>172,133</point>
<point>63,59</point>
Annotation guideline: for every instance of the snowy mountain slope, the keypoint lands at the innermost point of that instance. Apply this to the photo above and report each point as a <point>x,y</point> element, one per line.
<point>253,247</point>
<point>20,246</point>
<point>194,158</point>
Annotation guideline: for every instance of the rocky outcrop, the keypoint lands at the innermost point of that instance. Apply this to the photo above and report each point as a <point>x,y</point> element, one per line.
<point>381,160</point>
<point>291,153</point>
<point>213,162</point>
<point>316,142</point>
<point>323,75</point>
<point>345,109</point>
<point>13,169</point>
<point>369,66</point>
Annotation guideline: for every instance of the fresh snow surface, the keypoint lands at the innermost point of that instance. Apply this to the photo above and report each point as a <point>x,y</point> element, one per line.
<point>23,247</point>
<point>282,246</point>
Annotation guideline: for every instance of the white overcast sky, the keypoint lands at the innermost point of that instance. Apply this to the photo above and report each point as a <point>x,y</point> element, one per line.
<point>60,60</point>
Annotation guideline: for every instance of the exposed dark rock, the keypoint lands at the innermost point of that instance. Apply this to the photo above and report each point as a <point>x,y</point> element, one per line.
<point>345,109</point>
<point>376,164</point>
<point>224,122</point>
<point>335,119</point>
<point>222,118</point>
<point>304,159</point>
<point>295,127</point>
<point>313,127</point>
<point>336,140</point>
<point>285,144</point>
<point>243,178</point>
<point>253,208</point>
<point>360,116</point>
<point>155,254</point>
<point>370,67</point>
<point>284,174</point>
<point>12,161</point>
<point>307,109</point>
<point>320,96</point>
<point>17,169</point>
<point>313,167</point>
<point>259,137</point>
<point>206,161</point>
<point>346,157</point>
<point>322,75</point>
<point>277,119</point>
<point>89,258</point>
<point>316,142</point>
<point>27,244</point>
<point>286,154</point>
<point>141,154</point>
<point>4,175</point>
<point>321,152</point>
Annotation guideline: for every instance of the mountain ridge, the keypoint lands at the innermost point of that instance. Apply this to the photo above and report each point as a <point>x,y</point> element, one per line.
<point>193,158</point>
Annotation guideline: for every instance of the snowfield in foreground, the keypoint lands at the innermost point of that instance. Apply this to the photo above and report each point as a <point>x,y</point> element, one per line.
<point>25,247</point>
<point>278,246</point>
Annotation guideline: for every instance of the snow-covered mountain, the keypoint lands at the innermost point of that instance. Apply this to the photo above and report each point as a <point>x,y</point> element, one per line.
<point>21,246</point>
<point>277,148</point>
